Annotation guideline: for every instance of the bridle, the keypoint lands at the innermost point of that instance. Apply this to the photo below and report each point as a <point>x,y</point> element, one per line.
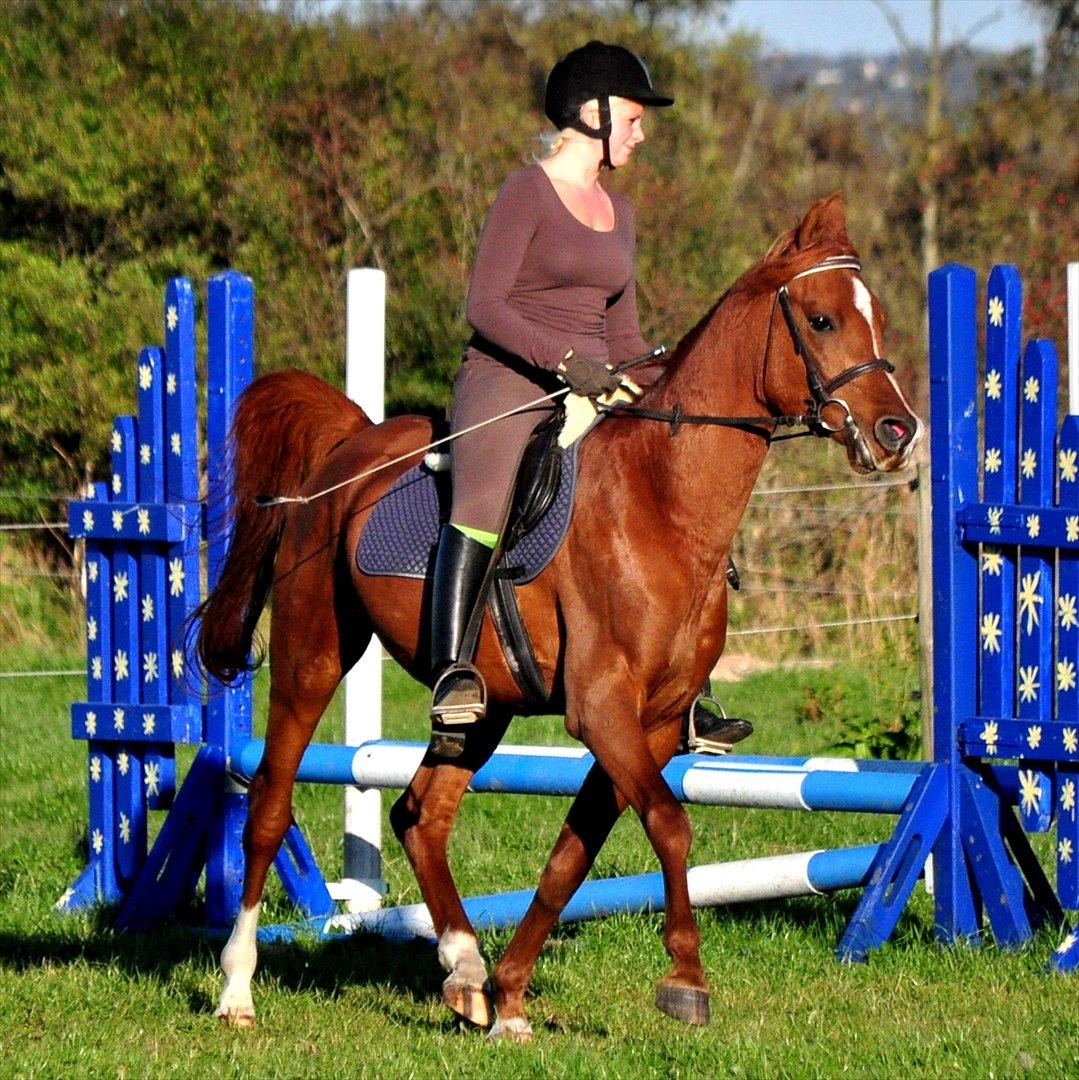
<point>821,394</point>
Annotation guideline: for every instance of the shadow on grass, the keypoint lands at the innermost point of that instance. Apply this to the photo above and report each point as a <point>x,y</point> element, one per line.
<point>325,968</point>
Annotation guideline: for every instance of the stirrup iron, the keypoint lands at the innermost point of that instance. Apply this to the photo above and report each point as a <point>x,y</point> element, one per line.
<point>709,730</point>
<point>458,700</point>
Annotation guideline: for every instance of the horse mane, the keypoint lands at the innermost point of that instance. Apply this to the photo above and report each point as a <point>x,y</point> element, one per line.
<point>778,266</point>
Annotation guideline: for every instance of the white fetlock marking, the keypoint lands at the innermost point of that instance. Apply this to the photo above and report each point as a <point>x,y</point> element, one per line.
<point>456,947</point>
<point>516,1027</point>
<point>238,960</point>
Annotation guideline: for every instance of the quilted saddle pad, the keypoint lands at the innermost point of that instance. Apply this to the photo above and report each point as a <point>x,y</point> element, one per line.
<point>401,535</point>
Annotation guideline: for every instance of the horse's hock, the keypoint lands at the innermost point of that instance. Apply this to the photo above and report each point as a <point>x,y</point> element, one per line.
<point>1006,650</point>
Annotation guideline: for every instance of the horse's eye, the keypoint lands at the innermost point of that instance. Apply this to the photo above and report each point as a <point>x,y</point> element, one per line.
<point>821,323</point>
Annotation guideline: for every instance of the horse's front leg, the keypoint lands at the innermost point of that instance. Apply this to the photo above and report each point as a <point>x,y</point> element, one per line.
<point>421,819</point>
<point>591,817</point>
<point>625,754</point>
<point>634,762</point>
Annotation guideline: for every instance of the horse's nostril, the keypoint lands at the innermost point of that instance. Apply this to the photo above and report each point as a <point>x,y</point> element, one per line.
<point>893,433</point>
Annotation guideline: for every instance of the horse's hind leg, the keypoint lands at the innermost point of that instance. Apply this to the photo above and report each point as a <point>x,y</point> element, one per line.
<point>421,820</point>
<point>269,815</point>
<point>306,666</point>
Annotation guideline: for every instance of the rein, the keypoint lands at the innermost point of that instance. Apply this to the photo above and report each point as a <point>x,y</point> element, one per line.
<point>821,393</point>
<point>815,424</point>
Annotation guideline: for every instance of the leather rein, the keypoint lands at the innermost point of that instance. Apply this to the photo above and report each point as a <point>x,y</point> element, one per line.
<point>821,393</point>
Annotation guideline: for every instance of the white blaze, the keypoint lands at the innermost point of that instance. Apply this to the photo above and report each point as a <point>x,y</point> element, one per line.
<point>863,301</point>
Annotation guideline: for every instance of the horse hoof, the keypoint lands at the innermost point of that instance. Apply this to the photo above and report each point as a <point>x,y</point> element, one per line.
<point>684,1003</point>
<point>468,1000</point>
<point>514,1029</point>
<point>237,1016</point>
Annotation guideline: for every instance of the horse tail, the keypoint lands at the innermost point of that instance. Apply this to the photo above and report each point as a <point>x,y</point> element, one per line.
<point>286,423</point>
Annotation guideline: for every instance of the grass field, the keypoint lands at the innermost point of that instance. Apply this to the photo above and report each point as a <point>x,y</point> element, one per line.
<point>79,1000</point>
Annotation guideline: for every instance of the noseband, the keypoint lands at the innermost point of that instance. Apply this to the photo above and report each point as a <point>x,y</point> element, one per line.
<point>821,393</point>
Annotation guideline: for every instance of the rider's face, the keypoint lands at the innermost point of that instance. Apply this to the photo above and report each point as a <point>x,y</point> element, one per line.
<point>627,129</point>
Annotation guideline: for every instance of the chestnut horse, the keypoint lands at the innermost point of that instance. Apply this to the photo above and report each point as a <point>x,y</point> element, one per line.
<point>627,620</point>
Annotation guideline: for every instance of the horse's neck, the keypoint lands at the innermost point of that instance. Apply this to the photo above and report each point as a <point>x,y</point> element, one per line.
<point>705,474</point>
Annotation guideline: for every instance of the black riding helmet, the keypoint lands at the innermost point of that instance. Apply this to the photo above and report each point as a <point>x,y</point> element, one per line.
<point>597,71</point>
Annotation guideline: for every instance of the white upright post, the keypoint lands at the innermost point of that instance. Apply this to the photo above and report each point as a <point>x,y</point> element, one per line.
<point>1073,338</point>
<point>362,886</point>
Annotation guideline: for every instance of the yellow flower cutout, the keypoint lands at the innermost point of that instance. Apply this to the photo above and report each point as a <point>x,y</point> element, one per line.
<point>1068,460</point>
<point>992,384</point>
<point>1070,739</point>
<point>1071,524</point>
<point>1028,683</point>
<point>1065,675</point>
<point>992,460</point>
<point>1066,611</point>
<point>1034,736</point>
<point>996,311</point>
<point>1029,598</point>
<point>1030,390</point>
<point>991,632</point>
<point>1030,791</point>
<point>989,736</point>
<point>1029,463</point>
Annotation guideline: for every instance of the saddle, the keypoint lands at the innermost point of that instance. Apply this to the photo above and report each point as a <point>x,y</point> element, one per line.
<point>400,537</point>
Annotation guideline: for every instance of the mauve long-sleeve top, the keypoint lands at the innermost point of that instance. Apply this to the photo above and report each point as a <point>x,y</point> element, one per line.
<point>543,282</point>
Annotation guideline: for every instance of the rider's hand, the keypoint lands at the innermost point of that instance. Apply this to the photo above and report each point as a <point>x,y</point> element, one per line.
<point>588,377</point>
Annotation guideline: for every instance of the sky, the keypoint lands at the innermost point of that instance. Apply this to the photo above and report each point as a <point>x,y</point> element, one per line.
<point>835,27</point>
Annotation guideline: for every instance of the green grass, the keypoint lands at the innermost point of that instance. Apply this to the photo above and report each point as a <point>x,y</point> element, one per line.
<point>78,999</point>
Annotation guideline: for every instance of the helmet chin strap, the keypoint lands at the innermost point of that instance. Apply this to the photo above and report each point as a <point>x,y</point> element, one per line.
<point>606,127</point>
<point>602,132</point>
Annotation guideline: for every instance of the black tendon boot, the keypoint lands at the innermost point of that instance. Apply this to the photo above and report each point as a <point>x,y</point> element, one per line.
<point>459,697</point>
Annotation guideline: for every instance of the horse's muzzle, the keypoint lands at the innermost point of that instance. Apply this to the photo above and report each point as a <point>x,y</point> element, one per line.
<point>894,433</point>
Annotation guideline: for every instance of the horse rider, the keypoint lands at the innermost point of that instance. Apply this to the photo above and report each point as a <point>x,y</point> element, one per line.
<point>552,302</point>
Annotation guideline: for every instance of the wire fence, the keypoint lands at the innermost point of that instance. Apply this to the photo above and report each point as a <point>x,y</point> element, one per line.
<point>783,549</point>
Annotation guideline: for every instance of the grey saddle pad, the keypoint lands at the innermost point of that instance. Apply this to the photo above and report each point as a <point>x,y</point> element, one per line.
<point>401,534</point>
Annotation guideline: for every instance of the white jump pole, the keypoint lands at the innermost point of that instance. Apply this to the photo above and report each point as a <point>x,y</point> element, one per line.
<point>1073,338</point>
<point>362,886</point>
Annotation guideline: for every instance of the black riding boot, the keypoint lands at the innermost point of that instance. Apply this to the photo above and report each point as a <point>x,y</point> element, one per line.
<point>460,696</point>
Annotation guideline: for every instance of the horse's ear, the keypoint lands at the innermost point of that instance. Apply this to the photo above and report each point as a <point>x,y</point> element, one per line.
<point>826,220</point>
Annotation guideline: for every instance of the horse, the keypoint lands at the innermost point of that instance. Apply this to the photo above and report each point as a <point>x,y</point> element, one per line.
<point>626,621</point>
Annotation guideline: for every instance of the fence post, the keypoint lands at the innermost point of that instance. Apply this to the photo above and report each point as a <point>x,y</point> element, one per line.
<point>362,886</point>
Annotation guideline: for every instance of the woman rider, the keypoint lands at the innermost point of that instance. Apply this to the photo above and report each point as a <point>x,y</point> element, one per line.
<point>552,300</point>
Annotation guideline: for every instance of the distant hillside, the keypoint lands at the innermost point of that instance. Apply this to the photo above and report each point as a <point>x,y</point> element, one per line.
<point>864,84</point>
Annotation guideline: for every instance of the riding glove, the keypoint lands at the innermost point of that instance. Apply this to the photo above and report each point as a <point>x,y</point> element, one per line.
<point>588,377</point>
